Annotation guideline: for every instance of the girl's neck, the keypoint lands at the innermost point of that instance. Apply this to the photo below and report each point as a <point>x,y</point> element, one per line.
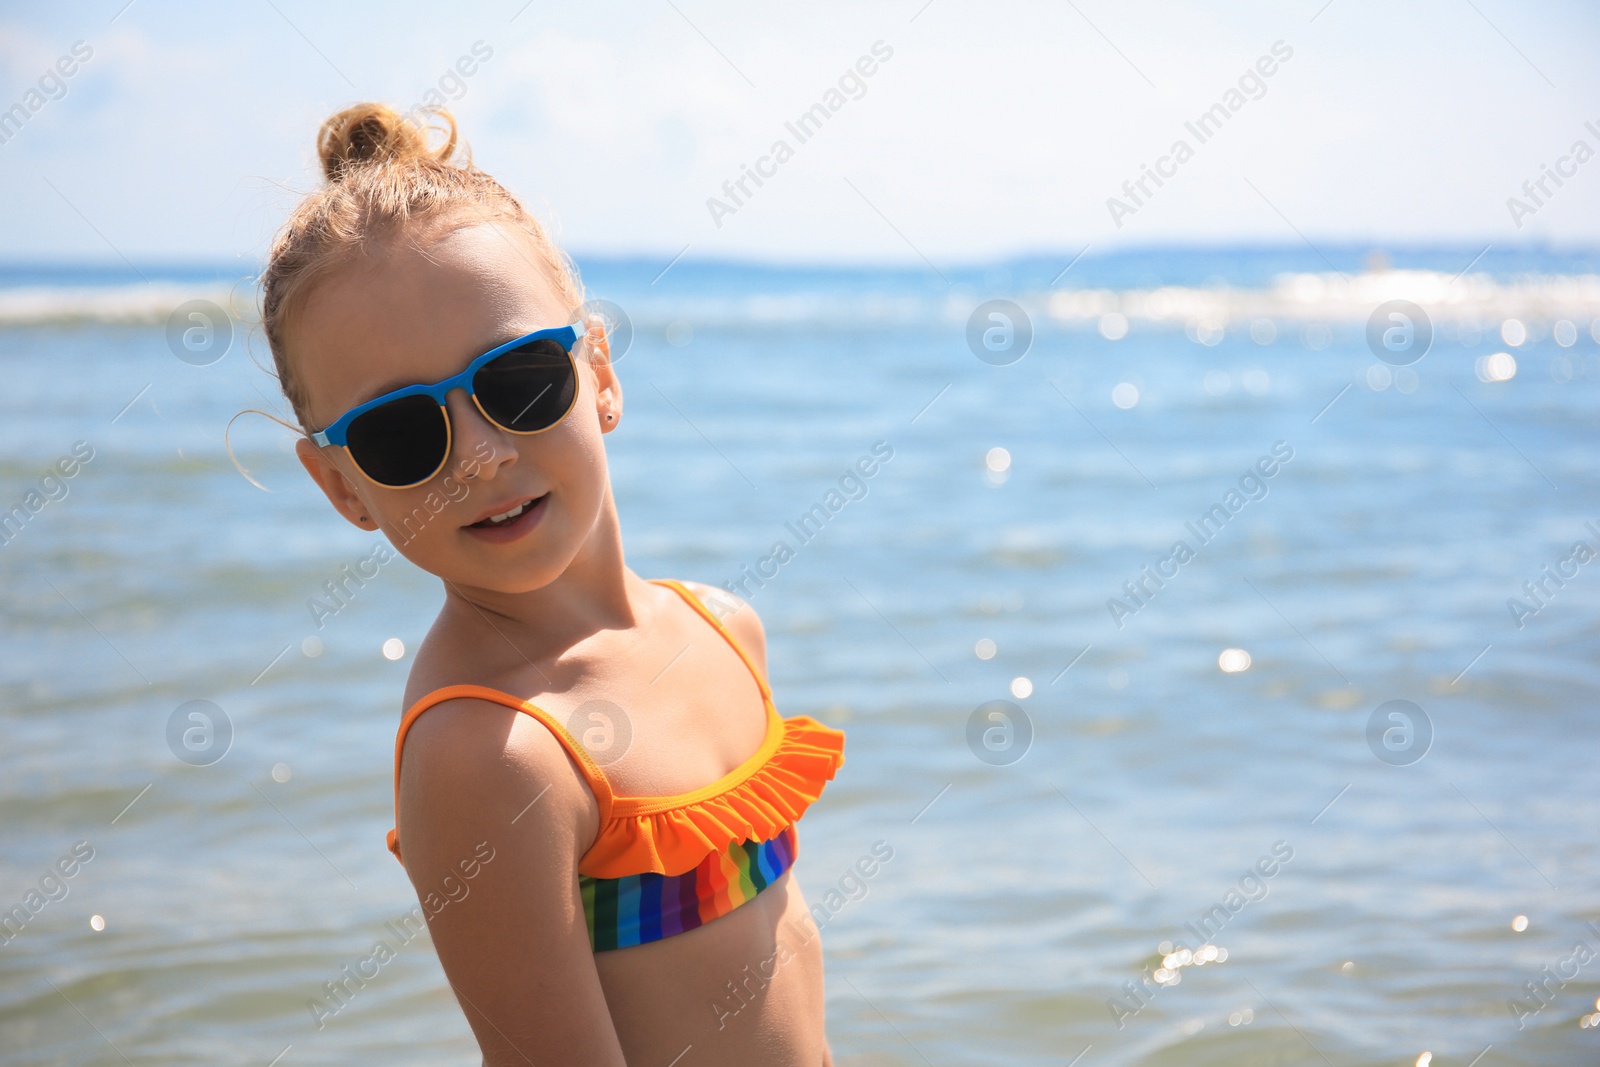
<point>595,592</point>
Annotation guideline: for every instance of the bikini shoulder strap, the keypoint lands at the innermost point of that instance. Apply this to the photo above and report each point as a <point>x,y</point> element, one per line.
<point>694,602</point>
<point>591,771</point>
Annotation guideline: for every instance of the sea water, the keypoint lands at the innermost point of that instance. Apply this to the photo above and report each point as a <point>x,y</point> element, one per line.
<point>1145,804</point>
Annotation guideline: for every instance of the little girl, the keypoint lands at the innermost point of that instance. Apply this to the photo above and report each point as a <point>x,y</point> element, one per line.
<point>598,753</point>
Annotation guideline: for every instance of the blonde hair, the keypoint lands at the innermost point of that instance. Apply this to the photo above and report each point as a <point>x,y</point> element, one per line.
<point>382,176</point>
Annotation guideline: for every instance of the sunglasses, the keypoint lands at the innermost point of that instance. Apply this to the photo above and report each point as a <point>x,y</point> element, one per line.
<point>402,438</point>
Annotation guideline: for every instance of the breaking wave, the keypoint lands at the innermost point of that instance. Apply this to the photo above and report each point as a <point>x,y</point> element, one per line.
<point>43,305</point>
<point>1468,301</point>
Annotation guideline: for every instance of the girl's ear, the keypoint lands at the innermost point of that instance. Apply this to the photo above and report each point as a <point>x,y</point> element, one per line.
<point>607,389</point>
<point>334,485</point>
<point>596,341</point>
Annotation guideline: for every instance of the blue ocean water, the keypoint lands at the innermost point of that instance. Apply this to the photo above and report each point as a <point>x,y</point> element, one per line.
<point>1019,544</point>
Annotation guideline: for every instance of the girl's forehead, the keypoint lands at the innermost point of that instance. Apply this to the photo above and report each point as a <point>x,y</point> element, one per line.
<point>415,309</point>
<point>478,269</point>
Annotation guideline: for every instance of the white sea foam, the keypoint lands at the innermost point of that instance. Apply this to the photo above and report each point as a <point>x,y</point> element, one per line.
<point>1474,301</point>
<point>46,305</point>
<point>1469,301</point>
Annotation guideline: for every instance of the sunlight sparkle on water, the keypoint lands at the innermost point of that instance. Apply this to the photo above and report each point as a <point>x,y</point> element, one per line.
<point>1499,367</point>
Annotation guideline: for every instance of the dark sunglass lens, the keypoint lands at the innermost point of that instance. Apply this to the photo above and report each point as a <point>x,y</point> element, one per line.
<point>528,388</point>
<point>401,442</point>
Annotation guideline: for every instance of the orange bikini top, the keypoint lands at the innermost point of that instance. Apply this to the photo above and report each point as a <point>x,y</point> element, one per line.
<point>755,801</point>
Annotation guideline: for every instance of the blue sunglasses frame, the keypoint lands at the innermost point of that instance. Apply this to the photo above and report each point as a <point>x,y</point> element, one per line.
<point>336,435</point>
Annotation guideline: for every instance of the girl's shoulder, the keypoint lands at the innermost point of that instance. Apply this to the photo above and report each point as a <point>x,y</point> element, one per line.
<point>452,727</point>
<point>472,754</point>
<point>735,615</point>
<point>466,747</point>
<point>486,750</point>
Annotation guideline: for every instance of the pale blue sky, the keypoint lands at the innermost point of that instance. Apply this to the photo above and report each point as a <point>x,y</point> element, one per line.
<point>993,129</point>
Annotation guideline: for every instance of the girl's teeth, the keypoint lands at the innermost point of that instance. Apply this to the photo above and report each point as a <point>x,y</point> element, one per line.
<point>513,513</point>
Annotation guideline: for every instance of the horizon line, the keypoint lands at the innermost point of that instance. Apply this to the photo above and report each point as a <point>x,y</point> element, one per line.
<point>652,258</point>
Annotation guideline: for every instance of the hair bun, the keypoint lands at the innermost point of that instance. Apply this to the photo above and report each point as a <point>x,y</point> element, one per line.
<point>378,134</point>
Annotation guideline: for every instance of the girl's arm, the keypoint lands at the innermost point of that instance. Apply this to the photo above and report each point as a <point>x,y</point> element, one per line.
<point>510,931</point>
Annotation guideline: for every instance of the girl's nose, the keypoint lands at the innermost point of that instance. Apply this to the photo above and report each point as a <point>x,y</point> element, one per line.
<point>475,440</point>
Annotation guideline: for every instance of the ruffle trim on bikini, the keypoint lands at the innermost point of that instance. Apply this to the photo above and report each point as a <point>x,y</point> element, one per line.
<point>675,840</point>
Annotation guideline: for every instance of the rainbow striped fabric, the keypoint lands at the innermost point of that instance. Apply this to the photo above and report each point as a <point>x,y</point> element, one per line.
<point>640,908</point>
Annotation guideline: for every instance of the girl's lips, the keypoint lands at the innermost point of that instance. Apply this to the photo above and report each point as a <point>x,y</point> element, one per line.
<point>516,528</point>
